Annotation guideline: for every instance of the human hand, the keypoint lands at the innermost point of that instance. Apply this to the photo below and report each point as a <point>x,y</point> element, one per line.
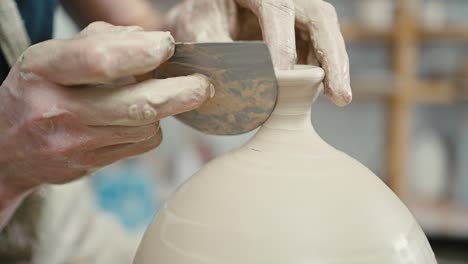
<point>69,107</point>
<point>311,26</point>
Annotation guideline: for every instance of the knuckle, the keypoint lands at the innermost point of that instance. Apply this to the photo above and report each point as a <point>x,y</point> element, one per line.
<point>286,6</point>
<point>46,126</point>
<point>25,64</point>
<point>46,121</point>
<point>132,29</point>
<point>61,145</point>
<point>142,112</point>
<point>329,9</point>
<point>58,150</point>
<point>99,62</point>
<point>96,26</point>
<point>28,62</point>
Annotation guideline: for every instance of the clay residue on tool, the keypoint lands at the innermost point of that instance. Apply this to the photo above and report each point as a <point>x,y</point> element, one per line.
<point>244,80</point>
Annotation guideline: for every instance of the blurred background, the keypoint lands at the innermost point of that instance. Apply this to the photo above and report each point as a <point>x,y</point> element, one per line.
<point>408,122</point>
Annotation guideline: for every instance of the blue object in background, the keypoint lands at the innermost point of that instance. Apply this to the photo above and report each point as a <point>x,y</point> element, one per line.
<point>38,20</point>
<point>128,191</point>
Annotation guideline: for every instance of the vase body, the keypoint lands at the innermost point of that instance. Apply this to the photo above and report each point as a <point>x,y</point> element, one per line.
<point>285,197</point>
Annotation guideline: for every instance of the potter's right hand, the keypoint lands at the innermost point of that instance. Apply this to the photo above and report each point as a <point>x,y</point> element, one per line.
<point>69,107</point>
<point>309,27</point>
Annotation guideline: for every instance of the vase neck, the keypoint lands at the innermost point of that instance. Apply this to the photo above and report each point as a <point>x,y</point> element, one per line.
<point>297,90</point>
<point>289,129</point>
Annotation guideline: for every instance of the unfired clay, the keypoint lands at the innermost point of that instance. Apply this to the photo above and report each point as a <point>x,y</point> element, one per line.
<point>285,197</point>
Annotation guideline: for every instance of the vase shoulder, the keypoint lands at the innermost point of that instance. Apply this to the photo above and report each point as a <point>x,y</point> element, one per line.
<point>286,196</point>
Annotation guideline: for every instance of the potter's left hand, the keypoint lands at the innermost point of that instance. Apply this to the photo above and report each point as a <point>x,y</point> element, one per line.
<point>310,25</point>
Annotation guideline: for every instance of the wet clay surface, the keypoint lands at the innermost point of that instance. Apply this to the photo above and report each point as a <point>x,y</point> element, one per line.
<point>286,196</point>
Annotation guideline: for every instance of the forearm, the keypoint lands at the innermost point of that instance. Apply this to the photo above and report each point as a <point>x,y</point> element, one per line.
<point>10,198</point>
<point>12,193</point>
<point>117,12</point>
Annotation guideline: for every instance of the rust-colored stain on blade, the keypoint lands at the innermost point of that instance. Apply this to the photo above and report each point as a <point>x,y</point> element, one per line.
<point>244,80</point>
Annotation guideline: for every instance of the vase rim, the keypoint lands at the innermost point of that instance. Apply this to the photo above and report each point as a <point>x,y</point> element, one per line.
<point>310,72</point>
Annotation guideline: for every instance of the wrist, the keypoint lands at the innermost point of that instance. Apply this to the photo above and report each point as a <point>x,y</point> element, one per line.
<point>9,193</point>
<point>10,199</point>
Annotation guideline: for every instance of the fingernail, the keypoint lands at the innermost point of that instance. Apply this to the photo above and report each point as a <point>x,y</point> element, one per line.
<point>170,44</point>
<point>341,99</point>
<point>163,44</point>
<point>348,96</point>
<point>204,81</point>
<point>212,91</point>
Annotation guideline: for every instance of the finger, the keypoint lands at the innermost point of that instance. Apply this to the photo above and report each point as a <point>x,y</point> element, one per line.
<point>321,21</point>
<point>249,26</point>
<point>312,57</point>
<point>102,136</point>
<point>99,58</point>
<point>303,46</point>
<point>142,103</point>
<point>276,18</point>
<point>108,155</point>
<point>104,27</point>
<point>203,21</point>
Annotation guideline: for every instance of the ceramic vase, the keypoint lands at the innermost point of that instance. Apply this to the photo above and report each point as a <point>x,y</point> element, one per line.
<point>285,196</point>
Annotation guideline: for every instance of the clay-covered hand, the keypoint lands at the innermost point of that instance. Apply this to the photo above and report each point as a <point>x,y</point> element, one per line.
<point>69,107</point>
<point>310,25</point>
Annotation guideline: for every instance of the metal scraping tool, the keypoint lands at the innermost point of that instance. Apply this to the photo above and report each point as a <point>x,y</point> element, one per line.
<point>244,80</point>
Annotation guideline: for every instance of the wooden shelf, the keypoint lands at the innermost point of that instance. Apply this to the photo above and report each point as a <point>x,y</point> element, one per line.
<point>372,89</point>
<point>422,92</point>
<point>359,33</point>
<point>436,92</point>
<point>464,92</point>
<point>452,33</point>
<point>402,90</point>
<point>442,219</point>
<point>355,32</point>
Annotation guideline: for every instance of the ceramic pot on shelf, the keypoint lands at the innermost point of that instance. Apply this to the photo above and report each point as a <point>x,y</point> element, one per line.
<point>461,180</point>
<point>377,15</point>
<point>285,196</point>
<point>434,14</point>
<point>429,168</point>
